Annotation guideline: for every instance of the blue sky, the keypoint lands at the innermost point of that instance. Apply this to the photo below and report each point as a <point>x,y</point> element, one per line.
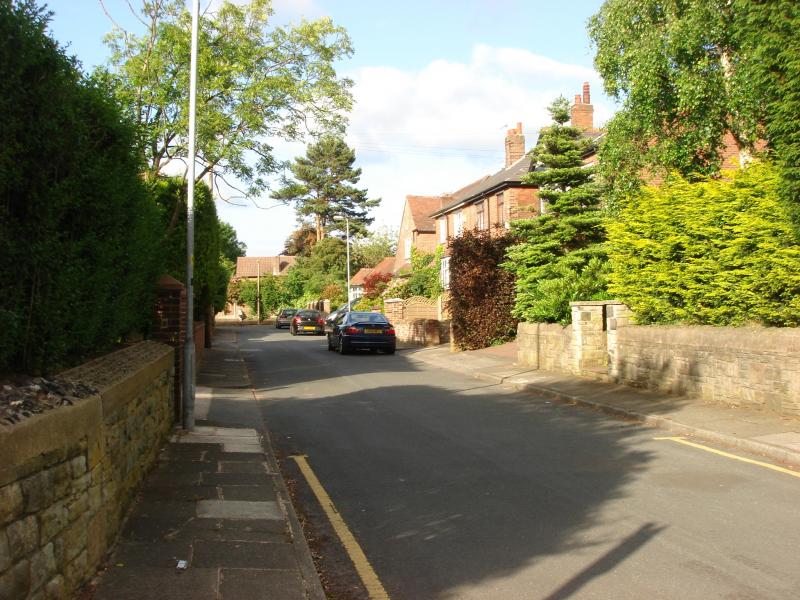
<point>437,83</point>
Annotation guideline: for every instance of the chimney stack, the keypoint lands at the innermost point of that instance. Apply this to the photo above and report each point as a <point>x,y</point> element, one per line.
<point>515,145</point>
<point>583,111</point>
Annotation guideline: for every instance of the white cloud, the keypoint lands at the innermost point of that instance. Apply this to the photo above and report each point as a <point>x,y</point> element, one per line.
<point>433,130</point>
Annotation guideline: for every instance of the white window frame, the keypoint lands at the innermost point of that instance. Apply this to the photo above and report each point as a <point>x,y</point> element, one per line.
<point>444,272</point>
<point>442,230</point>
<point>407,252</point>
<point>458,223</point>
<point>480,215</point>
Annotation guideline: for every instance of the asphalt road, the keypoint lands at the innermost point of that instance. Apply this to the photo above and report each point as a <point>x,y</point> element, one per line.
<point>458,489</point>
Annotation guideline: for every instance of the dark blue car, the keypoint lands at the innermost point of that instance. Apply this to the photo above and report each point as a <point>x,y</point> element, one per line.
<point>362,330</point>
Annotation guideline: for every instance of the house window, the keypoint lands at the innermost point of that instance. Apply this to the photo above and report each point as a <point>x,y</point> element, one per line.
<point>501,210</point>
<point>480,215</point>
<point>408,249</point>
<point>442,230</point>
<point>458,223</point>
<point>444,273</point>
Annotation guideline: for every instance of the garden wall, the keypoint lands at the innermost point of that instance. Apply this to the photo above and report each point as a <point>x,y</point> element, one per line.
<point>756,367</point>
<point>68,476</point>
<point>417,320</point>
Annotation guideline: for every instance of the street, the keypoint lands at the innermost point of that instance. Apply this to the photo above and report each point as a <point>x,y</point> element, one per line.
<point>460,489</point>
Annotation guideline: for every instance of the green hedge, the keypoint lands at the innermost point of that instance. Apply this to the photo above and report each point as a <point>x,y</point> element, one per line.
<point>718,252</point>
<point>481,293</point>
<point>78,232</point>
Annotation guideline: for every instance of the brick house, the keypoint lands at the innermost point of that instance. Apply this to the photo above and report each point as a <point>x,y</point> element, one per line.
<point>249,267</point>
<point>492,202</point>
<point>417,228</point>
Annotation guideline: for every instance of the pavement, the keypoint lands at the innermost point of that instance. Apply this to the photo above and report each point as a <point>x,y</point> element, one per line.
<point>215,520</point>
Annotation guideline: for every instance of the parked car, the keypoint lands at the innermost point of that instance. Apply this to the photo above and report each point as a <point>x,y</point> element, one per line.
<point>362,330</point>
<point>344,308</point>
<point>284,318</point>
<point>307,321</point>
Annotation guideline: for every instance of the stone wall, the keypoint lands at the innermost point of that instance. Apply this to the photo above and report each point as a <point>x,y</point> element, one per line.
<point>757,367</point>
<point>68,476</point>
<point>747,366</point>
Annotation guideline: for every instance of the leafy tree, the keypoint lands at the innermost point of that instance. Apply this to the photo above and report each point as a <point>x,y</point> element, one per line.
<point>481,294</point>
<point>300,241</point>
<point>370,250</point>
<point>767,34</point>
<point>210,275</point>
<point>78,232</point>
<point>683,80</point>
<point>716,252</point>
<point>560,254</point>
<point>274,294</point>
<point>229,245</point>
<point>255,81</point>
<point>422,278</point>
<point>324,187</point>
<point>325,265</point>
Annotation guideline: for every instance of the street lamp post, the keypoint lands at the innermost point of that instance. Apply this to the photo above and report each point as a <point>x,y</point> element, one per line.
<point>188,351</point>
<point>347,237</point>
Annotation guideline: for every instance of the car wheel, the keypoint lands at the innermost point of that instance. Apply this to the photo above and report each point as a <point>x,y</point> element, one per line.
<point>342,349</point>
<point>330,346</point>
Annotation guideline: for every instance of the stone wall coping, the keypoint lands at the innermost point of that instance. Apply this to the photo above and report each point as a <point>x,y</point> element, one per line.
<point>770,340</point>
<point>596,303</point>
<point>48,432</point>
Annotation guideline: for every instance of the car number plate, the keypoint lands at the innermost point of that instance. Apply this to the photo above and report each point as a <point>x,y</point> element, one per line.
<point>373,331</point>
<point>309,328</point>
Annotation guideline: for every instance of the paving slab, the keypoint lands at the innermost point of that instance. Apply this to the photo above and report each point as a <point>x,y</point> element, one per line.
<point>238,509</point>
<point>261,584</point>
<point>247,555</point>
<point>122,583</point>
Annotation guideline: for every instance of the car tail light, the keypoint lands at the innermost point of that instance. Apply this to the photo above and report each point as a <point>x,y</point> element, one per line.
<point>321,321</point>
<point>296,319</point>
<point>351,330</point>
<point>389,332</point>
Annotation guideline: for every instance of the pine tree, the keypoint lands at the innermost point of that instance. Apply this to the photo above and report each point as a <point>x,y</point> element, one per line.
<point>324,187</point>
<point>560,256</point>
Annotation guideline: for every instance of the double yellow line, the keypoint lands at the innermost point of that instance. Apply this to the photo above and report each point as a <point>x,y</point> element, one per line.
<point>680,440</point>
<point>363,567</point>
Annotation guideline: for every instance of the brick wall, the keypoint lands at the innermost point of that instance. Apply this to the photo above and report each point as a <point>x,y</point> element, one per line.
<point>69,475</point>
<point>756,367</point>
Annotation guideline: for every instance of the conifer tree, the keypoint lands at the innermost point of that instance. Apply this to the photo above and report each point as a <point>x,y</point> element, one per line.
<point>560,256</point>
<point>324,187</point>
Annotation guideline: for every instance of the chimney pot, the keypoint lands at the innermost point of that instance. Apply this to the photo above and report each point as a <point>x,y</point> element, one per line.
<point>577,98</point>
<point>586,97</point>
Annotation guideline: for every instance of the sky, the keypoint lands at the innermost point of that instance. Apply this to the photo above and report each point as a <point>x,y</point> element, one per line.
<point>437,84</point>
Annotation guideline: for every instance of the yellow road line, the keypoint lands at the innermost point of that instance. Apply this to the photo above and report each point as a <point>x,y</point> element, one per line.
<point>364,569</point>
<point>680,440</point>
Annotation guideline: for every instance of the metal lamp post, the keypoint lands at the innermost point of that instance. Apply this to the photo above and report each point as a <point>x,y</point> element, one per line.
<point>188,352</point>
<point>347,237</point>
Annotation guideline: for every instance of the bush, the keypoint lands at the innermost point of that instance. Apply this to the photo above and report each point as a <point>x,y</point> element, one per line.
<point>210,273</point>
<point>78,232</point>
<point>481,293</point>
<point>422,279</point>
<point>717,252</point>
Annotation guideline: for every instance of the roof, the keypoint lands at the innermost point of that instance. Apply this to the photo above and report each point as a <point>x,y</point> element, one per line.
<point>385,267</point>
<point>421,207</point>
<point>250,266</point>
<point>510,176</point>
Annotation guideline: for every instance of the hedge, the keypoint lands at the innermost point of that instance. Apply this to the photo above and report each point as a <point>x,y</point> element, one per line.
<point>78,232</point>
<point>717,252</point>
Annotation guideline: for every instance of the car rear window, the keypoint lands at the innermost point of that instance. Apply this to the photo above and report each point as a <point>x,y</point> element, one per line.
<point>307,313</point>
<point>366,317</point>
